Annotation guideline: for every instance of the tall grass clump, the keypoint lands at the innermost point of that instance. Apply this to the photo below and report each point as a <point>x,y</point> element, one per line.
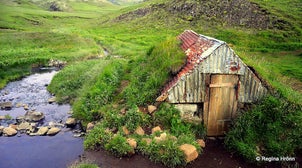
<point>152,71</point>
<point>67,84</point>
<point>99,93</point>
<point>169,117</point>
<point>272,128</point>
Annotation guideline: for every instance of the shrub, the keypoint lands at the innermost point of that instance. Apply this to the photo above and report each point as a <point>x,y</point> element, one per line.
<point>272,128</point>
<point>112,119</point>
<point>170,118</point>
<point>167,152</point>
<point>119,146</point>
<point>135,118</point>
<point>98,136</point>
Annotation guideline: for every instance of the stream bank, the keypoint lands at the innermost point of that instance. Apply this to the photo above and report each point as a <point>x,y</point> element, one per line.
<point>22,150</point>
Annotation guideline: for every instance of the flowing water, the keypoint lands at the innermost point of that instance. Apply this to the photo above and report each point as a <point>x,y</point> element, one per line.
<point>25,151</point>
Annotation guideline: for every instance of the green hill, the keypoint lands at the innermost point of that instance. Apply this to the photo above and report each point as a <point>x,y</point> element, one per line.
<point>119,54</point>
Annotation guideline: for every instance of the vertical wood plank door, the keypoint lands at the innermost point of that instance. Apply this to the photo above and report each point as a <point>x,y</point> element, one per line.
<point>222,103</point>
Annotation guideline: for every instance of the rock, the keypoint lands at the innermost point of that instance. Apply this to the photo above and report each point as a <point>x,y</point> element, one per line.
<point>32,128</point>
<point>155,129</point>
<point>201,143</point>
<point>20,119</point>
<point>6,92</point>
<point>139,130</point>
<point>42,131</point>
<point>123,110</point>
<point>77,135</point>
<point>151,109</point>
<point>125,130</point>
<point>189,151</point>
<point>1,129</point>
<point>18,105</point>
<point>23,126</point>
<point>162,137</point>
<point>53,124</point>
<point>14,126</point>
<point>173,138</point>
<point>132,142</point>
<point>2,117</point>
<point>6,105</point>
<point>33,116</point>
<point>52,100</point>
<point>70,122</point>
<point>8,131</point>
<point>70,112</point>
<point>89,127</point>
<point>25,106</point>
<point>53,131</point>
<point>147,140</point>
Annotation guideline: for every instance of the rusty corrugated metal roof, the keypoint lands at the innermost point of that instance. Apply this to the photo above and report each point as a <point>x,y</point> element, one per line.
<point>197,47</point>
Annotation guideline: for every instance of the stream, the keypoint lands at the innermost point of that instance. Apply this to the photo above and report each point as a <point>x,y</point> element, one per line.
<point>27,151</point>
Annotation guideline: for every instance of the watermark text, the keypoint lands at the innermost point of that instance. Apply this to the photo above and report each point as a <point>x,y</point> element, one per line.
<point>275,159</point>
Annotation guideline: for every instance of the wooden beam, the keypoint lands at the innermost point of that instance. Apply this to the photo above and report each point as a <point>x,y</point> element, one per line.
<point>221,85</point>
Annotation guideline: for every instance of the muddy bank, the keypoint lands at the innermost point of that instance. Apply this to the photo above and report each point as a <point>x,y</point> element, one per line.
<point>214,155</point>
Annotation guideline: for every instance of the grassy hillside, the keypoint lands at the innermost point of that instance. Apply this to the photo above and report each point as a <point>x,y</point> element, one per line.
<point>140,41</point>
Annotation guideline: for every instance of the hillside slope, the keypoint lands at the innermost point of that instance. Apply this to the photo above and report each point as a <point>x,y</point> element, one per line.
<point>266,35</point>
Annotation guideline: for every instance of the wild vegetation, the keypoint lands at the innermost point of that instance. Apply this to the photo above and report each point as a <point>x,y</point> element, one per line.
<point>142,55</point>
<point>272,128</point>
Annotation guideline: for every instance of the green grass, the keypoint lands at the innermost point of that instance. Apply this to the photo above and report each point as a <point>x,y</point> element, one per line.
<point>150,73</point>
<point>273,128</point>
<point>30,34</point>
<point>75,78</point>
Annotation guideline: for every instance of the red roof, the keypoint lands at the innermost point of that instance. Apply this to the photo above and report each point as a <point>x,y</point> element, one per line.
<point>194,45</point>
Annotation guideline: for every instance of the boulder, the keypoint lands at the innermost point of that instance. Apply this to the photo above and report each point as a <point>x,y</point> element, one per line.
<point>6,105</point>
<point>8,131</point>
<point>71,122</point>
<point>132,142</point>
<point>151,109</point>
<point>23,126</point>
<point>155,129</point>
<point>125,130</point>
<point>139,130</point>
<point>53,131</point>
<point>162,137</point>
<point>89,127</point>
<point>42,131</point>
<point>52,100</point>
<point>190,152</point>
<point>33,116</point>
<point>14,126</point>
<point>201,143</point>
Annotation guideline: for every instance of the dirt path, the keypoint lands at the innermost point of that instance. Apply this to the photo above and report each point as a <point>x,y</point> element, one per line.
<point>214,155</point>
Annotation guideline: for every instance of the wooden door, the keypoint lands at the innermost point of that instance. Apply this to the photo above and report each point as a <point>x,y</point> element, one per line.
<point>222,103</point>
